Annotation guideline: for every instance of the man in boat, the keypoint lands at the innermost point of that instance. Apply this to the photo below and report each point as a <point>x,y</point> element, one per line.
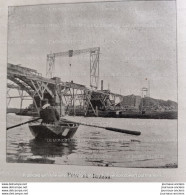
<point>48,113</point>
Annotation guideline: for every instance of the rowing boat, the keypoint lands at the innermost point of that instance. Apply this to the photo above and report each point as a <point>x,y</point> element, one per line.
<point>63,130</point>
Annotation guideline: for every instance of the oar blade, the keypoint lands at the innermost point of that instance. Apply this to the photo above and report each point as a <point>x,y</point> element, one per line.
<point>113,129</point>
<point>123,131</point>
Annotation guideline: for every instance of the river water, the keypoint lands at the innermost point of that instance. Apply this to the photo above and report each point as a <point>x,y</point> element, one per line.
<point>156,146</point>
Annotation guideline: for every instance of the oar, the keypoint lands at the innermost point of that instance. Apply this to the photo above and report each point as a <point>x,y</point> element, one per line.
<point>22,123</point>
<point>115,129</point>
<point>112,129</point>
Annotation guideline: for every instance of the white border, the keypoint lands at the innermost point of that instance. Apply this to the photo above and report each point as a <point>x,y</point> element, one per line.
<point>17,172</point>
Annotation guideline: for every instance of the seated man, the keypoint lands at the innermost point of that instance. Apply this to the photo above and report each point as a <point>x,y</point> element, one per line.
<point>48,113</point>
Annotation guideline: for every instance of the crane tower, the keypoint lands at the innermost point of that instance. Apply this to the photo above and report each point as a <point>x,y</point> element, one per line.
<point>94,63</point>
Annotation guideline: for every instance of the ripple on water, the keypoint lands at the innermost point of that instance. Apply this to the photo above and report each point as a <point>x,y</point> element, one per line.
<point>156,147</point>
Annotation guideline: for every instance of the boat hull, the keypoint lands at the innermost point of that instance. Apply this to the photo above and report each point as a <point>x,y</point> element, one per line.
<point>50,131</point>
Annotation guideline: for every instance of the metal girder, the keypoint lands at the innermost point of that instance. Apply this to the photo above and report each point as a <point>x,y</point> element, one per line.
<point>71,53</point>
<point>21,89</point>
<point>32,77</point>
<point>21,84</point>
<point>77,97</point>
<point>40,88</point>
<point>94,63</point>
<point>21,69</point>
<point>18,97</point>
<point>88,102</point>
<point>50,69</point>
<point>94,69</point>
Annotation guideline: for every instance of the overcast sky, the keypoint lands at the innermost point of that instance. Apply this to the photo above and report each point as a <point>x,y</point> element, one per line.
<point>137,41</point>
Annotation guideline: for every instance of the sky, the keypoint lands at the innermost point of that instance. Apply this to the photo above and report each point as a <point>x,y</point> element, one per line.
<point>137,41</point>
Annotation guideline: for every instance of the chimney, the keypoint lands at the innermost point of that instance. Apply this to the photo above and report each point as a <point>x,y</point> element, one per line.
<point>101,85</point>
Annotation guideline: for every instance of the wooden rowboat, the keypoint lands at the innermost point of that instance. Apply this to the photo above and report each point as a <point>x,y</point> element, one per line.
<point>63,130</point>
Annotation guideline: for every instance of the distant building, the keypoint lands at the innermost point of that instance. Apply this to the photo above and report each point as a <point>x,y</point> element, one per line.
<point>131,102</point>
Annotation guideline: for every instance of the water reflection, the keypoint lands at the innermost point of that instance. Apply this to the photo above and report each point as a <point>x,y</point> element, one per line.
<point>40,151</point>
<point>52,149</point>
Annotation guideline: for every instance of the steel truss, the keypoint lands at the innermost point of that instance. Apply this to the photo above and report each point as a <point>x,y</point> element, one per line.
<point>22,95</point>
<point>65,94</point>
<point>94,63</point>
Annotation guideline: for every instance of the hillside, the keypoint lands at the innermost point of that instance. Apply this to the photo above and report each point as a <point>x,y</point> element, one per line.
<point>148,103</point>
<point>158,104</point>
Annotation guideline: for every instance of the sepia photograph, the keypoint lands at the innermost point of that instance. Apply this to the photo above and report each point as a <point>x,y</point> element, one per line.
<point>93,84</point>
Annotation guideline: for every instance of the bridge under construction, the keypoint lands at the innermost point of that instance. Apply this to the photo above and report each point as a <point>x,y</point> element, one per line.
<point>76,99</point>
<point>67,97</point>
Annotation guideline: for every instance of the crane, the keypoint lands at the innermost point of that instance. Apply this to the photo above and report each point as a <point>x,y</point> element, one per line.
<point>94,63</point>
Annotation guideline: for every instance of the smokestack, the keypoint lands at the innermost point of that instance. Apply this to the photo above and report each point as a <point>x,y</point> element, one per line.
<point>101,85</point>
